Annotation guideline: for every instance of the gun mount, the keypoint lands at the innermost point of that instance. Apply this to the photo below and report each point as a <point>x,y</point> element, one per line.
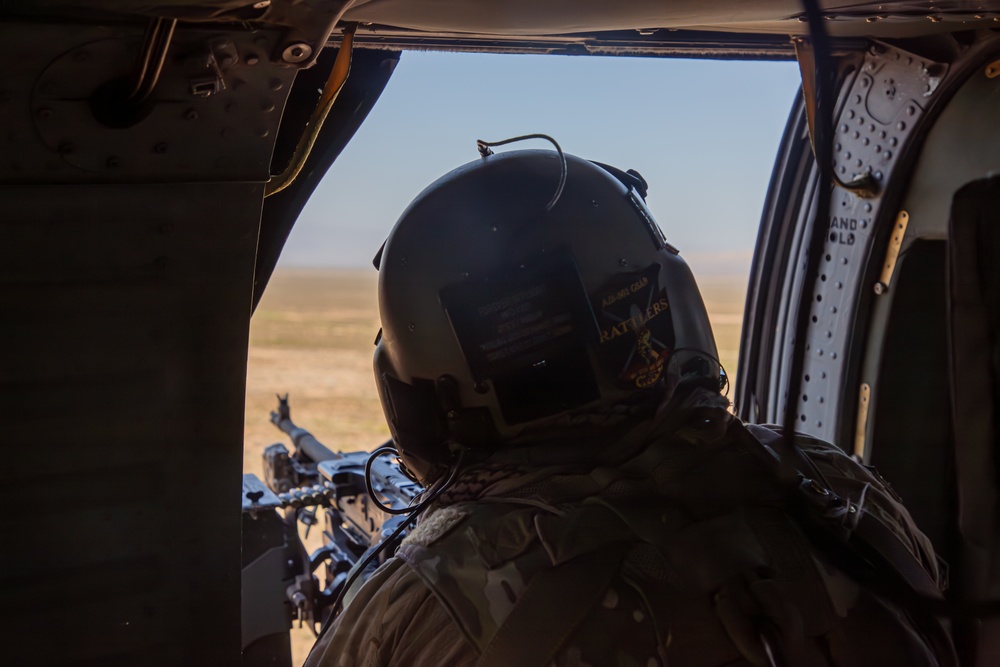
<point>280,580</point>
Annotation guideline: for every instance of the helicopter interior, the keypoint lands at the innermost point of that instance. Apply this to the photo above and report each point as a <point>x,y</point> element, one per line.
<point>155,156</point>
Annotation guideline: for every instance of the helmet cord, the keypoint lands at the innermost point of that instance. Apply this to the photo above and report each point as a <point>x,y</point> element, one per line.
<point>413,512</point>
<point>484,150</point>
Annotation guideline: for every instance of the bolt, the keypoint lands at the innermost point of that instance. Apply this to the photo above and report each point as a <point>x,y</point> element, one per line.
<point>296,53</point>
<point>190,114</point>
<point>160,148</point>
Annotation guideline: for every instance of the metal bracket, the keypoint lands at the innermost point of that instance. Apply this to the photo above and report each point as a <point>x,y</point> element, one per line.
<point>864,401</point>
<point>892,253</point>
<point>309,22</point>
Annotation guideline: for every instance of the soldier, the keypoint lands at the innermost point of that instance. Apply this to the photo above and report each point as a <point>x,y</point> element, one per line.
<point>547,366</point>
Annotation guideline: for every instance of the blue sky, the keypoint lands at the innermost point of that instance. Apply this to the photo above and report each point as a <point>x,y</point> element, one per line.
<point>702,133</point>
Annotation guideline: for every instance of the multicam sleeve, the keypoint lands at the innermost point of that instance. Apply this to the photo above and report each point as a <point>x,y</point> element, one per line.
<point>393,620</point>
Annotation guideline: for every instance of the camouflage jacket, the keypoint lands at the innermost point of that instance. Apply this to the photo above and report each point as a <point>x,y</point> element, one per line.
<point>684,554</point>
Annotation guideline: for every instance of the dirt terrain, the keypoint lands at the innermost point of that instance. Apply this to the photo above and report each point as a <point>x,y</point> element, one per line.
<point>313,337</point>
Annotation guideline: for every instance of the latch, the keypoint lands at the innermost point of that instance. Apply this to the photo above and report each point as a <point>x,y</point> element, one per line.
<point>206,69</point>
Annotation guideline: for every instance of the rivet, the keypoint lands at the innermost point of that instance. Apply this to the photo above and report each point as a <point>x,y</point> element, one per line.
<point>910,111</point>
<point>623,262</point>
<point>847,155</point>
<point>262,132</point>
<point>887,155</point>
<point>493,228</point>
<point>411,326</point>
<point>190,114</point>
<point>901,126</point>
<point>113,162</point>
<point>865,141</point>
<point>267,106</point>
<point>275,85</point>
<point>160,148</point>
<point>893,141</point>
<point>252,59</point>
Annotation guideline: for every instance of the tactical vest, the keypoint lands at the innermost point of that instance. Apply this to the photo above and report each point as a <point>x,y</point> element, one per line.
<point>714,576</point>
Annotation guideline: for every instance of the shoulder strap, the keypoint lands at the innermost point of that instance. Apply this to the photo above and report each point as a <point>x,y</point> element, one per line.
<point>869,539</point>
<point>532,634</point>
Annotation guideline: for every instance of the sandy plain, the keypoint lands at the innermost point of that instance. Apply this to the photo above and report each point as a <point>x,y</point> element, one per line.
<point>312,337</point>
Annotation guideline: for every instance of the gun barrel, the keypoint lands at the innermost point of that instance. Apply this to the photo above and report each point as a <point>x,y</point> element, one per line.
<point>303,440</point>
<point>310,446</point>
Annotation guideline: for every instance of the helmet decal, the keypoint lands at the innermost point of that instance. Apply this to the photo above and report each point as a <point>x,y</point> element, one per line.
<point>527,327</point>
<point>636,328</point>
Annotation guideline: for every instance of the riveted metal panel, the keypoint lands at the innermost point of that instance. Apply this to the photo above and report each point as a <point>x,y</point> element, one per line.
<point>57,74</point>
<point>126,278</point>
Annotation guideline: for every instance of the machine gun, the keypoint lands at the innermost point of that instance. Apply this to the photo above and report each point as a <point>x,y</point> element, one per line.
<point>280,582</point>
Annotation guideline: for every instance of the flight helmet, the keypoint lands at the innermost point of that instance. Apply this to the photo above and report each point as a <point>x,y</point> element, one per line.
<point>506,307</point>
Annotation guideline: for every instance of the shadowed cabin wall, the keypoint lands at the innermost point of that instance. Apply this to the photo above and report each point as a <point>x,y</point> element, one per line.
<point>126,279</point>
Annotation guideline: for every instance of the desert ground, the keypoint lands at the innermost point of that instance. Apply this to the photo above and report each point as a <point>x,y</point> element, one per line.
<point>312,337</point>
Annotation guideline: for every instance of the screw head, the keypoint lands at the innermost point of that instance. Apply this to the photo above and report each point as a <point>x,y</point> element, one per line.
<point>296,53</point>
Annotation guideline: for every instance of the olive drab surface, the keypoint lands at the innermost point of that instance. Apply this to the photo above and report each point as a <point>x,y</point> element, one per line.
<point>683,554</point>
